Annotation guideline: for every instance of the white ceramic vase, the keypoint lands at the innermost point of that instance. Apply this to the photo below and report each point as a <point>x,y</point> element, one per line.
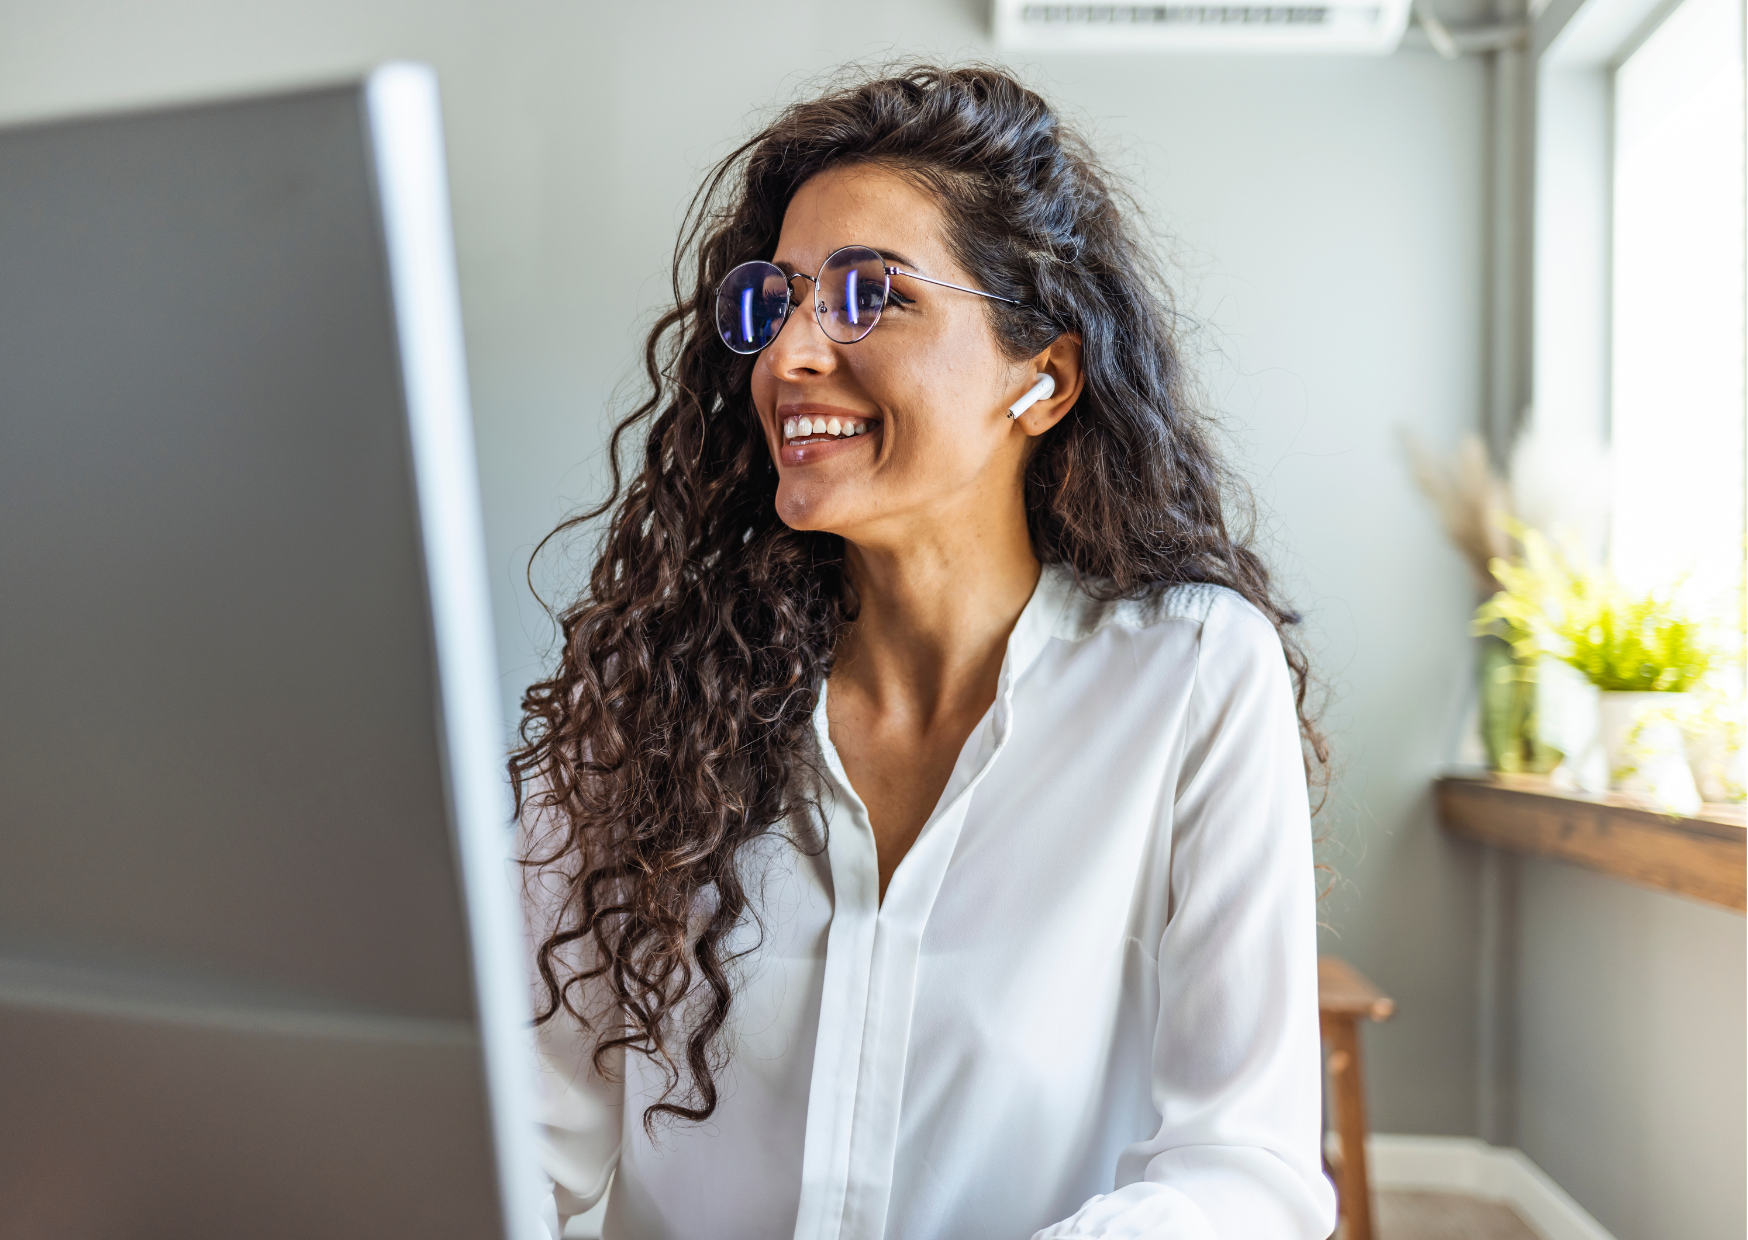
<point>1646,753</point>
<point>1720,768</point>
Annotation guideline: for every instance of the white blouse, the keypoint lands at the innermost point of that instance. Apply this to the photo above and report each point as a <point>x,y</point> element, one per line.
<point>1086,1008</point>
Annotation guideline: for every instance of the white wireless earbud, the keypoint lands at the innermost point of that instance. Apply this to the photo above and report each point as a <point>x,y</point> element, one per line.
<point>1040,390</point>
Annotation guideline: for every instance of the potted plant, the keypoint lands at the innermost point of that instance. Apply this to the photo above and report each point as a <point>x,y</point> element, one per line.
<point>1474,504</point>
<point>1642,651</point>
<point>1510,627</point>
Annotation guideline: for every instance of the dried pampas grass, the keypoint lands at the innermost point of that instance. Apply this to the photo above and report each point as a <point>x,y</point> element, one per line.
<point>1472,502</point>
<point>1559,483</point>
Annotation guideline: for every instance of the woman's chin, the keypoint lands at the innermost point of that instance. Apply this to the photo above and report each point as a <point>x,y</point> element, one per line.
<point>811,506</point>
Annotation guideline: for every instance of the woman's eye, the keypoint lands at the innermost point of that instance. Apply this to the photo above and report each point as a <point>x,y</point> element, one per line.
<point>896,298</point>
<point>868,298</point>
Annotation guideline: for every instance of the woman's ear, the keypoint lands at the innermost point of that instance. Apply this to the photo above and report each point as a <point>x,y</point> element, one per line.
<point>1061,361</point>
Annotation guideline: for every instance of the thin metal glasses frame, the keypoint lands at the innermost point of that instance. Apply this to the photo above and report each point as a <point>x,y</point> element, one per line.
<point>819,307</point>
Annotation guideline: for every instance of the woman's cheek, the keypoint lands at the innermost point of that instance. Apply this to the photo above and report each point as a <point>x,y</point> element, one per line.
<point>764,395</point>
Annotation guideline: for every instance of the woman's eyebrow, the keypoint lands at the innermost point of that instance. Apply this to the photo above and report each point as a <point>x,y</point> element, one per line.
<point>891,257</point>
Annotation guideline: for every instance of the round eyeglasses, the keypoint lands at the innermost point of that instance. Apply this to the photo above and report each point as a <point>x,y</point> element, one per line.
<point>852,287</point>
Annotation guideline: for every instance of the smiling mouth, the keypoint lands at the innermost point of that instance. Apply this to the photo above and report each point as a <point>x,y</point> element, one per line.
<point>818,429</point>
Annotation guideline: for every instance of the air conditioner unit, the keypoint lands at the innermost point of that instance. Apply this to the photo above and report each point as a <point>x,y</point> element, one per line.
<point>1365,26</point>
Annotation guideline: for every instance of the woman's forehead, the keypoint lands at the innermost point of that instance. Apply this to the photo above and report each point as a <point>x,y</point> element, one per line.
<point>862,205</point>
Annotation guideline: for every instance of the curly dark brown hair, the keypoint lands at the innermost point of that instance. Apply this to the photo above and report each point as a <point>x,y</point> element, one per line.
<point>676,729</point>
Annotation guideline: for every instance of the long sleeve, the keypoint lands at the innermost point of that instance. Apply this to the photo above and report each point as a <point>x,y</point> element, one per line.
<point>1236,1064</point>
<point>577,1108</point>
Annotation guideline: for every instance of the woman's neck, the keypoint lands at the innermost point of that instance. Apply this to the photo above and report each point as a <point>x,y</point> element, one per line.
<point>934,617</point>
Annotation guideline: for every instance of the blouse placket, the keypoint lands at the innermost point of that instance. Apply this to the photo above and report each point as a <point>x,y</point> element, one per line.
<point>872,953</point>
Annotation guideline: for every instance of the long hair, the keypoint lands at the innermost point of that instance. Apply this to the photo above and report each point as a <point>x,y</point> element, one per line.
<point>676,729</point>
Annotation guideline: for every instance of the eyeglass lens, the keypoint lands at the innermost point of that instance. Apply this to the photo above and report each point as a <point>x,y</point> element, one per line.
<point>751,304</point>
<point>852,291</point>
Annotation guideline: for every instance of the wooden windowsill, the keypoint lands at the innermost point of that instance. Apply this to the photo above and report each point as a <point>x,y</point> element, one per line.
<point>1704,857</point>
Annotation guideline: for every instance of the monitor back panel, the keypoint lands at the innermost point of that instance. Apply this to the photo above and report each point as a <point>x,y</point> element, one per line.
<point>235,991</point>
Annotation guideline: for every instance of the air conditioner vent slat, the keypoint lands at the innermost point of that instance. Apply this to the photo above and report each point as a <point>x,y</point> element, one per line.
<point>1180,14</point>
<point>1370,26</point>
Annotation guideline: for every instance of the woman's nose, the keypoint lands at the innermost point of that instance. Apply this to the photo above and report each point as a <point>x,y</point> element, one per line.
<point>802,348</point>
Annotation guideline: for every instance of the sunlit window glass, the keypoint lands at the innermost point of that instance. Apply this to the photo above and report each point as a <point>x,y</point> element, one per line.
<point>1678,356</point>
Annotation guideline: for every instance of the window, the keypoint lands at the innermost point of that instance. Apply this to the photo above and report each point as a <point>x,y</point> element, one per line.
<point>1679,338</point>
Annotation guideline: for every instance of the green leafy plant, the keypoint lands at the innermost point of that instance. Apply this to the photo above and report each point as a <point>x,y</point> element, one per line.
<point>1511,625</point>
<point>1637,644</point>
<point>1620,640</point>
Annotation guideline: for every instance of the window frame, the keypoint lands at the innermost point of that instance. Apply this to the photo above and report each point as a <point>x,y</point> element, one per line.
<point>1575,49</point>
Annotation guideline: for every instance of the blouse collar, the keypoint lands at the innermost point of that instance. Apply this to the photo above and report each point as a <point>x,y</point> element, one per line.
<point>1037,624</point>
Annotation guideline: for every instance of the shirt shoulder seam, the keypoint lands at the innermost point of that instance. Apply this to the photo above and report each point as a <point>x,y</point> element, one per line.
<point>1085,616</point>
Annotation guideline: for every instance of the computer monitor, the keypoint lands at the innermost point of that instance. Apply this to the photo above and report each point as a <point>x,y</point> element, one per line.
<point>261,972</point>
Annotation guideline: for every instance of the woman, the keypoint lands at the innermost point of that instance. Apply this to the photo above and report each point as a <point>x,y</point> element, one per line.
<point>916,823</point>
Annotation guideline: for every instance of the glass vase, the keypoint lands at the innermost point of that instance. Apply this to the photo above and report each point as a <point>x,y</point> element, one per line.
<point>1508,712</point>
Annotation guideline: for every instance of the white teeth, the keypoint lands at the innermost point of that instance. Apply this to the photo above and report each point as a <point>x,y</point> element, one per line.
<point>842,428</point>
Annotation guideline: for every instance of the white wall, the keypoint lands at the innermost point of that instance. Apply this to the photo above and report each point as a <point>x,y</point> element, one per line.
<point>1327,212</point>
<point>1631,1052</point>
